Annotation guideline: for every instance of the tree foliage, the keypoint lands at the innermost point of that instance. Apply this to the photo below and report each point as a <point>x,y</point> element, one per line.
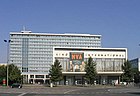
<point>14,74</point>
<point>56,71</point>
<point>2,73</point>
<point>90,70</point>
<point>127,75</point>
<point>136,75</point>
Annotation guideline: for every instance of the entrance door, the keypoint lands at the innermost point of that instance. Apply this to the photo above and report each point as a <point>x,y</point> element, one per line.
<point>78,80</point>
<point>104,80</point>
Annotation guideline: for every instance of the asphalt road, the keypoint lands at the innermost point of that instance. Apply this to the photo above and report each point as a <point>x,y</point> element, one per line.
<point>70,91</point>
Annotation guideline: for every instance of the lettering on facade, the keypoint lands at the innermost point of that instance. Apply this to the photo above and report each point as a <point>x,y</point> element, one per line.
<point>77,61</point>
<point>76,56</point>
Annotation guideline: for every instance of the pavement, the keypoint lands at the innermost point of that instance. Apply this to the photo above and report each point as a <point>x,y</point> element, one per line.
<point>67,90</point>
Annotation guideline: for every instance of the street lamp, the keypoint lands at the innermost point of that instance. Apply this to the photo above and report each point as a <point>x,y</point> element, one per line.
<point>51,85</point>
<point>7,41</point>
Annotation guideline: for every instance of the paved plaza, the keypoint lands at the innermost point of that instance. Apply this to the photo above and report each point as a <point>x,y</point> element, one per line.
<point>70,91</point>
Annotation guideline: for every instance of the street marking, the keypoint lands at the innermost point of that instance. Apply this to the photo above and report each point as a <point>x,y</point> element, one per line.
<point>22,94</point>
<point>69,91</point>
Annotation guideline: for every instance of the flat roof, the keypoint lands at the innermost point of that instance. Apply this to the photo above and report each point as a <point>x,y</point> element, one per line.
<point>85,48</point>
<point>53,34</point>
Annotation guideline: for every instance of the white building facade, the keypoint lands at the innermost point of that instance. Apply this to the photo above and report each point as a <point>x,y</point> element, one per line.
<point>108,64</point>
<point>32,53</point>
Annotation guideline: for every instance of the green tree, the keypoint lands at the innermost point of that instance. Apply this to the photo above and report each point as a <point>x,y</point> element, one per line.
<point>127,75</point>
<point>90,70</point>
<point>2,73</point>
<point>14,74</point>
<point>56,71</point>
<point>136,75</point>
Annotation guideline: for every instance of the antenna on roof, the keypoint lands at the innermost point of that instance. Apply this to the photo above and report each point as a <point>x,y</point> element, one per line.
<point>25,31</point>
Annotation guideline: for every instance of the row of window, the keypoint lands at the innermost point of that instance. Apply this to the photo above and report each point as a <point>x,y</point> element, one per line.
<point>16,56</point>
<point>49,44</point>
<point>18,62</point>
<point>62,40</point>
<point>39,76</point>
<point>31,52</point>
<point>33,70</point>
<point>38,65</point>
<point>33,65</point>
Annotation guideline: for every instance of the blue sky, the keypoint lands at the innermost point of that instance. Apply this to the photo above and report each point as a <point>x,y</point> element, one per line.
<point>118,21</point>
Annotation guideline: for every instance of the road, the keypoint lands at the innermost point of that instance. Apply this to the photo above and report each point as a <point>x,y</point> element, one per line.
<point>70,91</point>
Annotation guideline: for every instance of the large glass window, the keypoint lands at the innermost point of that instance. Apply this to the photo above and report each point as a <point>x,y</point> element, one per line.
<point>109,65</point>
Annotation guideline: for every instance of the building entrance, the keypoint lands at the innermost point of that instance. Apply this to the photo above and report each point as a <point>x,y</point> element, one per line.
<point>73,80</point>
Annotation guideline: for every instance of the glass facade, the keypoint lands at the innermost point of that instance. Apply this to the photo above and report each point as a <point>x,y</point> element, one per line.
<point>109,65</point>
<point>33,52</point>
<point>103,65</point>
<point>135,63</point>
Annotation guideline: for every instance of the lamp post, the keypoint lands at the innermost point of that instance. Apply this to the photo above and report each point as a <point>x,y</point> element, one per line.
<point>7,41</point>
<point>51,85</point>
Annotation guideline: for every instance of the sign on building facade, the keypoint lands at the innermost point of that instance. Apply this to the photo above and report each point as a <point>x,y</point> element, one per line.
<point>77,62</point>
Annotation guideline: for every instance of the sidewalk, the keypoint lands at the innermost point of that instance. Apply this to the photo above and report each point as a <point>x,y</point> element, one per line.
<point>69,86</point>
<point>72,86</point>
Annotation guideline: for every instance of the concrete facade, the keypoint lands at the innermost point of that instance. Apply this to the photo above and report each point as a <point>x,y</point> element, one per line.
<point>32,53</point>
<point>108,64</point>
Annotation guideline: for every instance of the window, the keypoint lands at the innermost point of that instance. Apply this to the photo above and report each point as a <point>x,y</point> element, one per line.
<point>31,76</point>
<point>39,76</point>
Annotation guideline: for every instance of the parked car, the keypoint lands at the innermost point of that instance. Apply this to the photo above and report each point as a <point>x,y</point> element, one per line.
<point>16,85</point>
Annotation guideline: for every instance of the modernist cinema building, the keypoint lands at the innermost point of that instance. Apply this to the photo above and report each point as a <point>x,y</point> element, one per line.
<point>34,53</point>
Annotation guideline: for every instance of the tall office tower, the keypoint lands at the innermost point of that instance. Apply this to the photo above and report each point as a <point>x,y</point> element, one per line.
<point>32,53</point>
